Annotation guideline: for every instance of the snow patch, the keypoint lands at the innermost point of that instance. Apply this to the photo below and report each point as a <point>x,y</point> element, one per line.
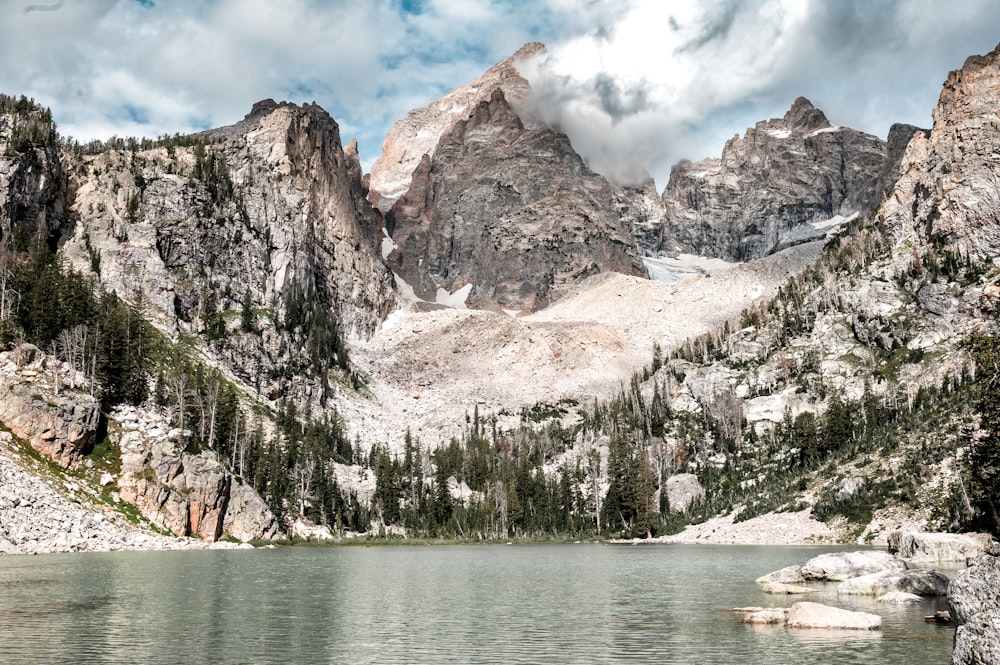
<point>388,244</point>
<point>825,130</point>
<point>405,289</point>
<point>834,221</point>
<point>670,270</point>
<point>779,133</point>
<point>455,300</point>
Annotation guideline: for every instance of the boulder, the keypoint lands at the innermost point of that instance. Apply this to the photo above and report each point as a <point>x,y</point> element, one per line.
<point>921,582</point>
<point>817,615</point>
<point>917,547</point>
<point>899,598</point>
<point>840,566</point>
<point>58,423</point>
<point>974,597</point>
<point>684,491</point>
<point>787,575</point>
<point>782,588</point>
<point>768,616</point>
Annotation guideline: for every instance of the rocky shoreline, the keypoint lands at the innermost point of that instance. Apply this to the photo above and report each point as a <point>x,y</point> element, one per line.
<point>56,514</point>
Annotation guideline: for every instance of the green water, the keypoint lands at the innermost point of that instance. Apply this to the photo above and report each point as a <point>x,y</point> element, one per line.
<point>582,603</point>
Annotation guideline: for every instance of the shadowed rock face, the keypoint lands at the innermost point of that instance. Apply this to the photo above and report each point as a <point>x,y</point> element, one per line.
<point>486,206</point>
<point>511,212</point>
<point>767,187</point>
<point>32,179</point>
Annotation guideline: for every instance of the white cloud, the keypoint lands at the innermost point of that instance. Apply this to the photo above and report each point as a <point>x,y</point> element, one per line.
<point>636,84</point>
<point>673,80</point>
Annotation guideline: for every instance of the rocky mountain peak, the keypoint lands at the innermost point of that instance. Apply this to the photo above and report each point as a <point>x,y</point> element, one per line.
<point>500,213</point>
<point>419,132</point>
<point>785,181</point>
<point>804,117</point>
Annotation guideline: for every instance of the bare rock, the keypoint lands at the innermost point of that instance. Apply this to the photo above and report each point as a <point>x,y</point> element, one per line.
<point>248,517</point>
<point>786,575</point>
<point>766,617</point>
<point>779,588</point>
<point>58,423</point>
<point>187,494</point>
<point>946,197</point>
<point>916,547</point>
<point>817,615</point>
<point>920,582</point>
<point>504,215</point>
<point>419,133</point>
<point>974,597</point>
<point>840,566</point>
<point>899,598</point>
<point>684,491</point>
<point>780,184</point>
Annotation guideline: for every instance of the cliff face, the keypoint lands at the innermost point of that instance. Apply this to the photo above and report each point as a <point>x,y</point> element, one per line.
<point>496,212</point>
<point>947,195</point>
<point>32,182</point>
<point>506,213</point>
<point>774,187</point>
<point>264,206</point>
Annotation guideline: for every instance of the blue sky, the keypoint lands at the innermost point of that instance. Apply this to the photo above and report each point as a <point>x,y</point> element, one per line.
<point>636,84</point>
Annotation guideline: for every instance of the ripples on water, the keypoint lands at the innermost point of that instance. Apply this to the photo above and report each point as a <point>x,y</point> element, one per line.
<point>474,604</point>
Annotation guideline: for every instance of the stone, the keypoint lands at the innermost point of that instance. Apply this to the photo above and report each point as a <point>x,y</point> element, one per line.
<point>840,566</point>
<point>59,424</point>
<point>766,617</point>
<point>899,598</point>
<point>817,615</point>
<point>974,598</point>
<point>920,582</point>
<point>684,491</point>
<point>782,588</point>
<point>916,547</point>
<point>786,575</point>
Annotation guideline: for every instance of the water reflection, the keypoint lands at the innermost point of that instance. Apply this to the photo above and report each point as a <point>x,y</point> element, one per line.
<point>476,604</point>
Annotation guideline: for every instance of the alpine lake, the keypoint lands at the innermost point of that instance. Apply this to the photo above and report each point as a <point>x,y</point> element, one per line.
<point>551,603</point>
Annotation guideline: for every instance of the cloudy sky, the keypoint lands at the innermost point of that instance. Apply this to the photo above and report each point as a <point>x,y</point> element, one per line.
<point>636,84</point>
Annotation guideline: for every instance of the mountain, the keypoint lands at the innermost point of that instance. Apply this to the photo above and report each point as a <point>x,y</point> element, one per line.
<point>785,181</point>
<point>498,212</point>
<point>204,330</point>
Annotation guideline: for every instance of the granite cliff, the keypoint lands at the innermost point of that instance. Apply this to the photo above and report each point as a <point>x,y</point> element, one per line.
<point>785,181</point>
<point>498,212</point>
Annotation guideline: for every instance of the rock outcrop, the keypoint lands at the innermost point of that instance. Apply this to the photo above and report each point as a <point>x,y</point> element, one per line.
<point>974,597</point>
<point>32,180</point>
<point>37,404</point>
<point>947,195</point>
<point>920,582</point>
<point>188,494</point>
<point>786,181</point>
<point>817,615</point>
<point>266,207</point>
<point>840,566</point>
<point>500,213</point>
<point>916,548</point>
<point>684,491</point>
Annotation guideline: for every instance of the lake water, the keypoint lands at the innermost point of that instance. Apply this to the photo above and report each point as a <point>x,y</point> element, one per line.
<point>585,603</point>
